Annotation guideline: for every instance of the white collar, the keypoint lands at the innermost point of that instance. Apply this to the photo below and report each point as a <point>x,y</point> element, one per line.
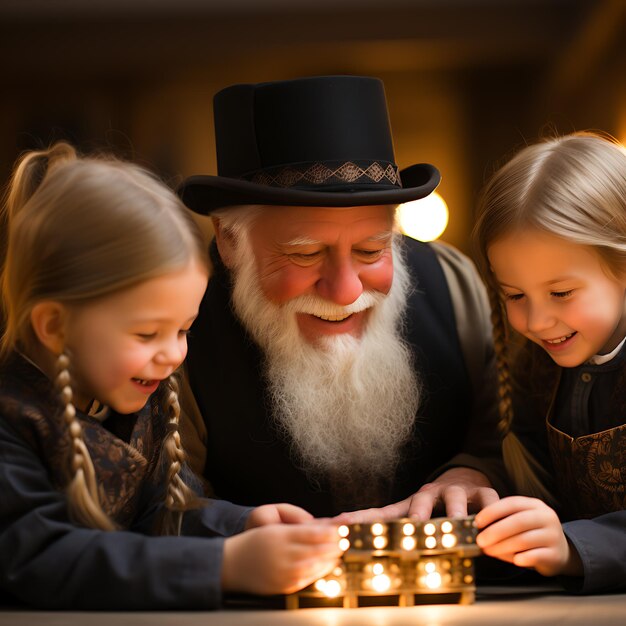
<point>600,359</point>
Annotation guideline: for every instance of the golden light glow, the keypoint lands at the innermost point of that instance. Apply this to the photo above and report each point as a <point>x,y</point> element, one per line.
<point>429,529</point>
<point>408,543</point>
<point>448,541</point>
<point>344,544</point>
<point>343,531</point>
<point>433,580</point>
<point>431,542</point>
<point>424,219</point>
<point>333,588</point>
<point>330,588</point>
<point>378,568</point>
<point>430,567</point>
<point>408,529</point>
<point>377,529</point>
<point>446,527</point>
<point>379,542</point>
<point>381,583</point>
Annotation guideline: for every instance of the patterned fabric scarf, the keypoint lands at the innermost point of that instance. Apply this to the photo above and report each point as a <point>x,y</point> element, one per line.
<point>125,449</point>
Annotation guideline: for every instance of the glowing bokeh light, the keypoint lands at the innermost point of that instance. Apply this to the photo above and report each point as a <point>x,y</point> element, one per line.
<point>381,583</point>
<point>408,543</point>
<point>332,589</point>
<point>424,219</point>
<point>446,527</point>
<point>433,580</point>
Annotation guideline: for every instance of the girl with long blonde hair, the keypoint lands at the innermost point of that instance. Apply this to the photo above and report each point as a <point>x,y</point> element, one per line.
<point>551,245</point>
<point>102,277</point>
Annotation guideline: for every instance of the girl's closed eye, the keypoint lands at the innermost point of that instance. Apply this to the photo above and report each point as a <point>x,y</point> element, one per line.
<point>562,294</point>
<point>145,336</point>
<point>513,296</point>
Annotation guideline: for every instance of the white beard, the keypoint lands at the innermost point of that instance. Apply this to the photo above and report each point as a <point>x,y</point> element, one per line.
<point>346,405</point>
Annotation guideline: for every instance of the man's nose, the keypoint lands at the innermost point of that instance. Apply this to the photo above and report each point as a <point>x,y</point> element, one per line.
<point>339,281</point>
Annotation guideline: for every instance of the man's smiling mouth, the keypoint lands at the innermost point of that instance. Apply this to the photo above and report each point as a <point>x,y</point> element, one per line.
<point>333,318</point>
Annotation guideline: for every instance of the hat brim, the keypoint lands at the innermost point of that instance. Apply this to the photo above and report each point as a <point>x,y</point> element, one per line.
<point>205,194</point>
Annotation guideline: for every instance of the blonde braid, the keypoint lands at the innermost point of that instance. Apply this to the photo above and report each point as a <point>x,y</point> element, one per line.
<point>82,490</point>
<point>179,496</point>
<point>520,464</point>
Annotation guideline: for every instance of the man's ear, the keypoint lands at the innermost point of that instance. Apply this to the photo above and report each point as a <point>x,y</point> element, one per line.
<point>48,319</point>
<point>225,243</point>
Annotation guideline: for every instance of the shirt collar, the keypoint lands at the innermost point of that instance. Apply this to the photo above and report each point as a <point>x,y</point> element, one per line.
<point>600,359</point>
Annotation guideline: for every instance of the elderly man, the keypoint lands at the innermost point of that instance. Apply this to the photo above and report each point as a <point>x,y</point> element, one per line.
<point>334,364</point>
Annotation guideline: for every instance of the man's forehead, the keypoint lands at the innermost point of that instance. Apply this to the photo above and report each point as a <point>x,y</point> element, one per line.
<point>303,216</point>
<point>313,225</point>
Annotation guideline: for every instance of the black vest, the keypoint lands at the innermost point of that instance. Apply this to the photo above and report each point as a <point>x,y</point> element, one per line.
<point>249,463</point>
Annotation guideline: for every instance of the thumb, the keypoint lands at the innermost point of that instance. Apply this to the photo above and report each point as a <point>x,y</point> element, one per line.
<point>292,514</point>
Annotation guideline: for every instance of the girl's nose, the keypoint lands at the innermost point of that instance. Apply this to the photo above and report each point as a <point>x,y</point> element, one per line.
<point>540,318</point>
<point>172,352</point>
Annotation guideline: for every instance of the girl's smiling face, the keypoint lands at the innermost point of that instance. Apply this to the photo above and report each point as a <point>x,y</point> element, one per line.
<point>559,295</point>
<point>122,346</point>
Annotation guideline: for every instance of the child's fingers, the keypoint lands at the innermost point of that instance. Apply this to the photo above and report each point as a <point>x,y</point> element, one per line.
<point>308,572</point>
<point>530,558</point>
<point>512,526</point>
<point>311,534</point>
<point>503,508</point>
<point>292,514</point>
<point>517,543</point>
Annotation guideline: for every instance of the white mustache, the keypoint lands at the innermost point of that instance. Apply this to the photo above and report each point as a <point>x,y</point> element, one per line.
<point>314,305</point>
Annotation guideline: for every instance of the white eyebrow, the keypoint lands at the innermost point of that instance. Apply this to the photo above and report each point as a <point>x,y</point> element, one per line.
<point>380,236</point>
<point>301,241</point>
<point>307,241</point>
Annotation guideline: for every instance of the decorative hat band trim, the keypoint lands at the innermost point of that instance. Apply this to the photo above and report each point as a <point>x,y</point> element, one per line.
<point>317,174</point>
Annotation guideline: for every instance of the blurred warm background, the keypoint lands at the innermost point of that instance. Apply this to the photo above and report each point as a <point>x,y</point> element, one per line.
<point>467,81</point>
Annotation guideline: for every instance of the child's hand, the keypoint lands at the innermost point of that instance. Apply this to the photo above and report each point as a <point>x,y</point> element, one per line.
<point>528,533</point>
<point>279,558</point>
<point>277,514</point>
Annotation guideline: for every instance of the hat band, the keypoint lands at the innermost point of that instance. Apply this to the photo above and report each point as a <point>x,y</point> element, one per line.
<point>328,174</point>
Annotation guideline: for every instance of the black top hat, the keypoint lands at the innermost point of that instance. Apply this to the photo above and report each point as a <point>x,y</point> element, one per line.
<point>321,141</point>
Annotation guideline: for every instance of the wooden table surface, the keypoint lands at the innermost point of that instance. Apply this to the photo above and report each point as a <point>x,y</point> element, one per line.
<point>494,606</point>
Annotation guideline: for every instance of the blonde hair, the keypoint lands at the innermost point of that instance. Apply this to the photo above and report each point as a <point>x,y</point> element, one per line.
<point>80,229</point>
<point>572,187</point>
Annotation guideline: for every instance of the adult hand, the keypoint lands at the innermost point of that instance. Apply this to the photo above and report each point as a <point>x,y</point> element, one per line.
<point>277,514</point>
<point>279,558</point>
<point>528,533</point>
<point>457,492</point>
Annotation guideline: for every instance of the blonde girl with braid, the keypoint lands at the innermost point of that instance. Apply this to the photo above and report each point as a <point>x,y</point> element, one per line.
<point>551,245</point>
<point>102,276</point>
